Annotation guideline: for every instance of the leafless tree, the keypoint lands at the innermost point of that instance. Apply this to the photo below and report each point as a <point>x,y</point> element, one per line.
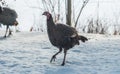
<point>83,5</point>
<point>116,26</point>
<point>49,5</point>
<point>3,3</point>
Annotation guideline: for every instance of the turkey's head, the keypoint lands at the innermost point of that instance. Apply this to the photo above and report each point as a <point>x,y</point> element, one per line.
<point>46,13</point>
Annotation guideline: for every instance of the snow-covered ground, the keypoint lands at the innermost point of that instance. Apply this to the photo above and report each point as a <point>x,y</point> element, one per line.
<point>30,53</point>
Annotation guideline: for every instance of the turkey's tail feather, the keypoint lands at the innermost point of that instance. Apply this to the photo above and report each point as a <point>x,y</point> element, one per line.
<point>82,38</point>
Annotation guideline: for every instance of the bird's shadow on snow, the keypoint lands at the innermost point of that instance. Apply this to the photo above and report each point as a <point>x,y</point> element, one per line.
<point>4,38</point>
<point>61,70</point>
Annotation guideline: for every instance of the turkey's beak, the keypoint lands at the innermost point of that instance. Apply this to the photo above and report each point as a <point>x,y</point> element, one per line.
<point>43,14</point>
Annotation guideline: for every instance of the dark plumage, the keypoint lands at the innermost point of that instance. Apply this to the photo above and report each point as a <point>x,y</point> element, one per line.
<point>8,18</point>
<point>62,36</point>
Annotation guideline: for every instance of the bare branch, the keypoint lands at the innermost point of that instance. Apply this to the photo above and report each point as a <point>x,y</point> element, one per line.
<point>44,4</point>
<point>83,5</point>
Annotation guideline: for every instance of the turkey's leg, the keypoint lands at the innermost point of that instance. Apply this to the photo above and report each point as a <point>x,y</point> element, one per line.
<point>54,56</point>
<point>10,32</point>
<point>6,30</point>
<point>65,53</point>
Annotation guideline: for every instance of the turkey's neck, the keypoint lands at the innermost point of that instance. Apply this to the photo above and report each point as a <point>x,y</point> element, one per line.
<point>50,28</point>
<point>50,23</point>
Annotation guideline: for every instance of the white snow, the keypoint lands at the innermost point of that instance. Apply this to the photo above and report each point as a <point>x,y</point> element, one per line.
<point>30,53</point>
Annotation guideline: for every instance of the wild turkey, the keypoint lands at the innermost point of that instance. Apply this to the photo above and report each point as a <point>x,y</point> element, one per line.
<point>62,36</point>
<point>8,17</point>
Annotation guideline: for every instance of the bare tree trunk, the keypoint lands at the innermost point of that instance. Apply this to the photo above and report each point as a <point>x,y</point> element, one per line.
<point>58,10</point>
<point>68,15</point>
